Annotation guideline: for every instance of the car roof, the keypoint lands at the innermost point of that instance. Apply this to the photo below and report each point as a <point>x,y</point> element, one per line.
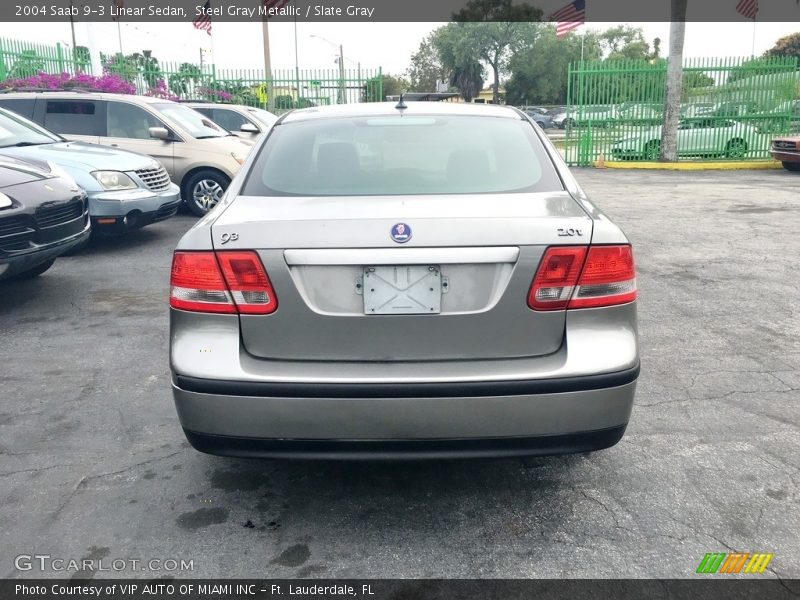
<point>377,109</point>
<point>62,94</point>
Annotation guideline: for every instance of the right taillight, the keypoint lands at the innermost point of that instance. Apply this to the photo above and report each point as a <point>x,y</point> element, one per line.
<point>580,277</point>
<point>223,282</point>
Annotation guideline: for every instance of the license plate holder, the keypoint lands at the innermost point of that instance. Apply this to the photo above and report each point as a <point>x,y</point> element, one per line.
<point>402,290</point>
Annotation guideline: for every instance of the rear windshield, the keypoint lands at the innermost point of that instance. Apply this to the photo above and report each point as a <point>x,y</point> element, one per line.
<point>399,155</point>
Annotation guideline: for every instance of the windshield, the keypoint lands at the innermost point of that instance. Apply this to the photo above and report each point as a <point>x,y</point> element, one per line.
<point>17,131</point>
<point>263,116</point>
<point>398,155</point>
<point>197,125</point>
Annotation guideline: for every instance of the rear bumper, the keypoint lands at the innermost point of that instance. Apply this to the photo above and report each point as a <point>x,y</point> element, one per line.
<point>376,420</point>
<point>406,449</point>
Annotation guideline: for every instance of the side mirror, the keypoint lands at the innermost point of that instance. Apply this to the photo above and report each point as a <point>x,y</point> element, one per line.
<point>249,128</point>
<point>159,133</point>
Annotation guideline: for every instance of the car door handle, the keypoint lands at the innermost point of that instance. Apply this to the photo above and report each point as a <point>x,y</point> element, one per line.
<point>114,145</point>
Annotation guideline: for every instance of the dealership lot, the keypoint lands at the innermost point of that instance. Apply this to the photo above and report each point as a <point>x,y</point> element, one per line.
<point>93,463</point>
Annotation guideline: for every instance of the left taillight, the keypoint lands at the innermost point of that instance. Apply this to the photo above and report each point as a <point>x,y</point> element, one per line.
<point>223,282</point>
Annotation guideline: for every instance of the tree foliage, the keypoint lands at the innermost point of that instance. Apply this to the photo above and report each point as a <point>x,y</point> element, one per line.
<point>26,64</point>
<point>426,68</point>
<point>503,43</point>
<point>627,42</point>
<point>462,47</point>
<point>539,73</point>
<point>497,10</point>
<point>786,46</point>
<point>188,75</point>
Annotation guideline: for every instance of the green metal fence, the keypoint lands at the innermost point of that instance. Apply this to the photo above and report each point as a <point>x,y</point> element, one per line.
<point>730,108</point>
<point>23,59</point>
<point>290,88</point>
<point>295,88</point>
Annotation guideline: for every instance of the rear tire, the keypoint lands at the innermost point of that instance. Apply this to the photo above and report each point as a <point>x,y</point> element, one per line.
<point>791,166</point>
<point>35,272</point>
<point>203,190</point>
<point>652,150</point>
<point>736,148</point>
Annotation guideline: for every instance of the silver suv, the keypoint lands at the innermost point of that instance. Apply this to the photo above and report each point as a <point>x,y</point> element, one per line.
<point>199,155</point>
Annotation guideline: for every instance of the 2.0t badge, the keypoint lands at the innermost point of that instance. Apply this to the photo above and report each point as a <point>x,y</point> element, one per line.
<point>401,233</point>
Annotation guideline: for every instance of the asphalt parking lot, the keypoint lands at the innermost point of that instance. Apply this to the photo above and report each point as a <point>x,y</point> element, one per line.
<point>93,462</point>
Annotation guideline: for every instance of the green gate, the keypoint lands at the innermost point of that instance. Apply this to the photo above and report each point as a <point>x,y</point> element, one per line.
<point>730,108</point>
<point>290,88</point>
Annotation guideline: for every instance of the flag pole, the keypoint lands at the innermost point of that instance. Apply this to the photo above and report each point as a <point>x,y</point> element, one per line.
<point>119,36</point>
<point>583,39</point>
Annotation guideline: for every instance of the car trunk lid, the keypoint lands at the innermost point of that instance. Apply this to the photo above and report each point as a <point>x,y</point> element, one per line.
<point>455,288</point>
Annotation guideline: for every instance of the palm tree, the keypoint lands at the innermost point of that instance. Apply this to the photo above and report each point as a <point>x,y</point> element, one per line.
<point>468,79</point>
<point>672,102</point>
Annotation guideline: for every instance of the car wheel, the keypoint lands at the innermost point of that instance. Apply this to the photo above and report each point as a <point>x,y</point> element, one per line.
<point>35,272</point>
<point>652,150</point>
<point>540,124</point>
<point>791,166</point>
<point>736,149</point>
<point>568,124</point>
<point>204,190</point>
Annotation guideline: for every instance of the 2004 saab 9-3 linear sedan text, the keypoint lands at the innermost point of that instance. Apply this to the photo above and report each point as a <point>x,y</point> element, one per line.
<point>400,281</point>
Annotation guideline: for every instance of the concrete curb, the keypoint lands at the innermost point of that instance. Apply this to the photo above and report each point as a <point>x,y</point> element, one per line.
<point>691,166</point>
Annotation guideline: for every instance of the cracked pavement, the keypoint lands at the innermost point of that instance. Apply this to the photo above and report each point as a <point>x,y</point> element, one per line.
<point>93,462</point>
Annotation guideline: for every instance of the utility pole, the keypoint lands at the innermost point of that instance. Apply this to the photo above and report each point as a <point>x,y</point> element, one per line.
<point>267,65</point>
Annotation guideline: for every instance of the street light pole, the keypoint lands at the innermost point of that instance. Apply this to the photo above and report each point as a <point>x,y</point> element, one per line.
<point>341,95</point>
<point>342,90</point>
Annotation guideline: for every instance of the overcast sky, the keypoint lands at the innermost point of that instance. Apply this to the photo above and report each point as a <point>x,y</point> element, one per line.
<point>388,45</point>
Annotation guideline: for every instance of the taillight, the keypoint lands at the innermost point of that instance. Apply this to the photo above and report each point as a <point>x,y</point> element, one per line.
<point>248,282</point>
<point>225,282</point>
<point>572,277</point>
<point>196,284</point>
<point>608,278</point>
<point>556,278</point>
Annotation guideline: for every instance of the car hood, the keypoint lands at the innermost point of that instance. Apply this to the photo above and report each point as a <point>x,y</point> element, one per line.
<point>17,172</point>
<point>82,155</point>
<point>227,144</point>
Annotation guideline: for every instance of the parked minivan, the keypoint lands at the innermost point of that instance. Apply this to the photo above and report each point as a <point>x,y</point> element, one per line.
<point>199,155</point>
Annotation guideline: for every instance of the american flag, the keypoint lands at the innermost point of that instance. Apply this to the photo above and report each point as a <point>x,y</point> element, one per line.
<point>571,16</point>
<point>275,4</point>
<point>747,8</point>
<point>203,22</point>
<point>119,4</point>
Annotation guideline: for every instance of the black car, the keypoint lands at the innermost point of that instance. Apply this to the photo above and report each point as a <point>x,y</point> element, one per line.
<point>43,213</point>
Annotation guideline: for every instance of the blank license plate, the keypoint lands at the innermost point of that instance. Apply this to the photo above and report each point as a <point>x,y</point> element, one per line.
<point>402,290</point>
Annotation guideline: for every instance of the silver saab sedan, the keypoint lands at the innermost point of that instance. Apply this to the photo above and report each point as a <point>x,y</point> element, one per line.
<point>403,281</point>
